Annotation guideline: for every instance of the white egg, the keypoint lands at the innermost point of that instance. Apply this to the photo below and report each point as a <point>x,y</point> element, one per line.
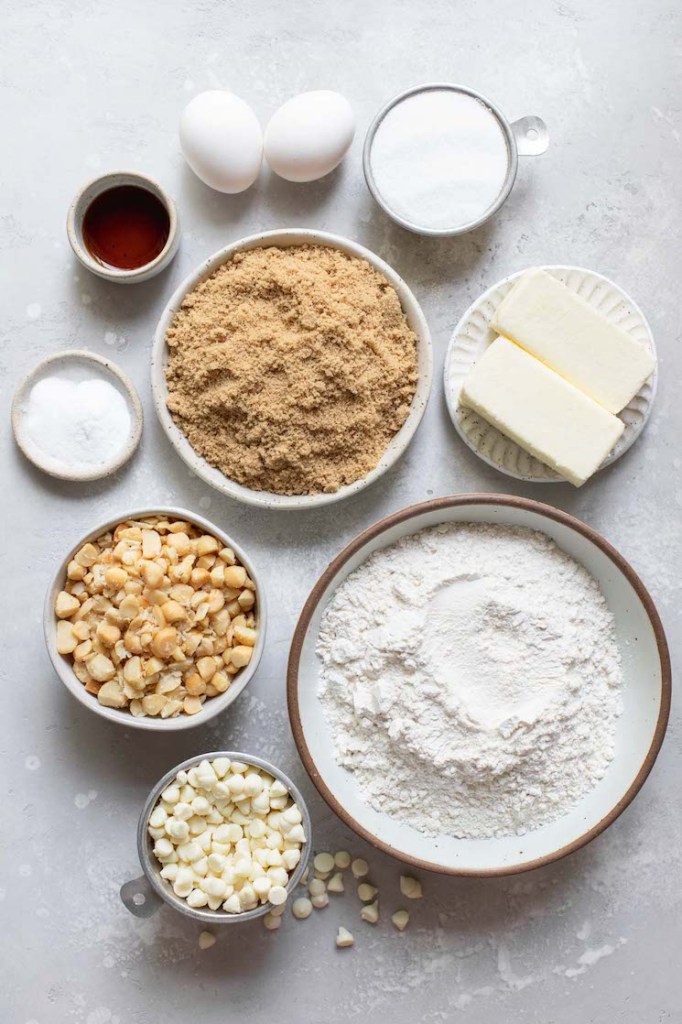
<point>221,140</point>
<point>309,135</point>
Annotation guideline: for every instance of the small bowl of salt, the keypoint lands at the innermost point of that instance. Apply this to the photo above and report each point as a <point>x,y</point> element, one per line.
<point>77,416</point>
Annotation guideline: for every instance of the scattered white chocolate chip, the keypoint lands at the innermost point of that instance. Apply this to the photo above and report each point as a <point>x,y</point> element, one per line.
<point>344,938</point>
<point>272,922</point>
<point>319,901</point>
<point>335,883</point>
<point>400,919</point>
<point>360,868</point>
<point>317,887</point>
<point>410,887</point>
<point>342,859</point>
<point>277,911</point>
<point>370,912</point>
<point>367,892</point>
<point>206,940</point>
<point>324,863</point>
<point>302,908</point>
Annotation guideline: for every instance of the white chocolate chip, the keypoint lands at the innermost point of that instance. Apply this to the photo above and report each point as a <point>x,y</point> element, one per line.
<point>232,904</point>
<point>344,939</point>
<point>277,895</point>
<point>272,922</point>
<point>335,883</point>
<point>319,901</point>
<point>367,892</point>
<point>221,766</point>
<point>197,898</point>
<point>290,859</point>
<point>342,859</point>
<point>317,887</point>
<point>324,863</point>
<point>302,908</point>
<point>410,887</point>
<point>206,940</point>
<point>360,868</point>
<point>400,919</point>
<point>370,912</point>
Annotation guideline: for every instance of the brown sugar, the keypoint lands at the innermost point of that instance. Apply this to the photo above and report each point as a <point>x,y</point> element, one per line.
<point>290,369</point>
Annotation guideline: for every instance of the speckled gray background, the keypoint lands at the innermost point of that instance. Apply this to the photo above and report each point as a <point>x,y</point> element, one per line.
<point>91,86</point>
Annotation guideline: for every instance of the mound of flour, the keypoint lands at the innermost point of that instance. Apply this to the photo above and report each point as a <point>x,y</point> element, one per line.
<point>471,680</point>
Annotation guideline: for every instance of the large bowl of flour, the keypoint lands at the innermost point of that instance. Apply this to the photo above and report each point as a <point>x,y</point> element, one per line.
<point>479,684</point>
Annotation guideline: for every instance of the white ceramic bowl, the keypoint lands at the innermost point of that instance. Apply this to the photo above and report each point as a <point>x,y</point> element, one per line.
<point>398,443</point>
<point>213,705</point>
<point>639,732</point>
<point>474,333</point>
<point>77,365</point>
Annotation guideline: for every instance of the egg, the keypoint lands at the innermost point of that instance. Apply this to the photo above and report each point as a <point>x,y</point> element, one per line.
<point>221,140</point>
<point>309,135</point>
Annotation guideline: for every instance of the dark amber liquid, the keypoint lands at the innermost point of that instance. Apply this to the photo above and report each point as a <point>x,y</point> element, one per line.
<point>126,227</point>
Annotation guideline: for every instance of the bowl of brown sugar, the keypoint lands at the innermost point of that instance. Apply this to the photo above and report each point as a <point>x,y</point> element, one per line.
<point>291,369</point>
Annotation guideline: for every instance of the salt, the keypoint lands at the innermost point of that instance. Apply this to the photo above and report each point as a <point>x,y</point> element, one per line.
<point>439,159</point>
<point>77,423</point>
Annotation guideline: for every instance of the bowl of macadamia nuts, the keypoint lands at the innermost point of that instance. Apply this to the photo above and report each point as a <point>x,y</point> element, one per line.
<point>155,620</point>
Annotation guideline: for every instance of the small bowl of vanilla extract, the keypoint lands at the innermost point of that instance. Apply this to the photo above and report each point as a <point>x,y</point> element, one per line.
<point>123,227</point>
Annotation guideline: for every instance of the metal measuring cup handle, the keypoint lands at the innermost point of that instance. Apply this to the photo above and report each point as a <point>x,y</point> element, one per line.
<point>531,135</point>
<point>139,897</point>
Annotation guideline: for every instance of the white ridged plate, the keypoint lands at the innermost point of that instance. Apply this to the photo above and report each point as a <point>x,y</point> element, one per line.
<point>472,336</point>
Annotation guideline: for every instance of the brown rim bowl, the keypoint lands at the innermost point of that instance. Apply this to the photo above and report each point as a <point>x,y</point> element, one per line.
<point>639,731</point>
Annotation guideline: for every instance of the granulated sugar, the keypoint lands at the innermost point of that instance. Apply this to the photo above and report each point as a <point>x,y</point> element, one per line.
<point>471,680</point>
<point>439,159</point>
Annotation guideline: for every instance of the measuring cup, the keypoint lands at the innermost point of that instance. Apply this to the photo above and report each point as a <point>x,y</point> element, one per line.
<point>527,136</point>
<point>144,895</point>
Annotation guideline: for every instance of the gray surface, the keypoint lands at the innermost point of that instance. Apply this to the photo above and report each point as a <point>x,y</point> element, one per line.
<point>95,86</point>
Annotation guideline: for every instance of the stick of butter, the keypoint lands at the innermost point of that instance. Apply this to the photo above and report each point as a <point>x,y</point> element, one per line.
<point>542,412</point>
<point>557,326</point>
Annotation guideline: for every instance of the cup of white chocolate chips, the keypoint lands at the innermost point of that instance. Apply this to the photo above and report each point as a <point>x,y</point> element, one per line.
<point>222,837</point>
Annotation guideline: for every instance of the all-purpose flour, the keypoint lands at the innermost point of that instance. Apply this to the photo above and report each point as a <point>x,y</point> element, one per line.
<point>471,680</point>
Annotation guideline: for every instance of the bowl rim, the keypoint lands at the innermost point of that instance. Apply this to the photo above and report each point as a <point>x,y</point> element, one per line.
<point>144,841</point>
<point>463,500</point>
<point>94,187</point>
<point>474,307</point>
<point>503,194</point>
<point>132,400</point>
<point>122,717</point>
<point>291,237</point>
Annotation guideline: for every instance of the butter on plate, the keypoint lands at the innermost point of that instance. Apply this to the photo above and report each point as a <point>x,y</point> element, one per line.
<point>542,412</point>
<point>560,328</point>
